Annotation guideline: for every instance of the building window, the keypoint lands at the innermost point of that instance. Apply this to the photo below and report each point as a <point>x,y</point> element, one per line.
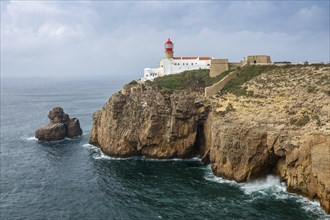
<point>187,63</point>
<point>182,64</point>
<point>208,64</point>
<point>192,63</point>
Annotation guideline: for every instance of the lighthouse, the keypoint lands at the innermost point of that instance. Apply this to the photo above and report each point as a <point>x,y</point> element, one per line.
<point>169,49</point>
<point>173,65</point>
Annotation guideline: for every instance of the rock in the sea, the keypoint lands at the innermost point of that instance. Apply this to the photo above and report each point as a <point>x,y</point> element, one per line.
<point>60,126</point>
<point>51,132</point>
<point>73,128</point>
<point>57,115</point>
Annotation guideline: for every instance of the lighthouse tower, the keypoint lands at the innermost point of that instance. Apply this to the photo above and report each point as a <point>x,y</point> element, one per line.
<point>169,49</point>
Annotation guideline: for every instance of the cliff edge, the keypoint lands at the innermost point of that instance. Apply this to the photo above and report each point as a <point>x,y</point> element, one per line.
<point>143,120</point>
<point>269,119</point>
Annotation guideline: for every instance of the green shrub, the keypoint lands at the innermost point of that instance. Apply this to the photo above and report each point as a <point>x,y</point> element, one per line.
<point>311,89</point>
<point>234,85</point>
<point>303,120</point>
<point>133,82</point>
<point>194,79</point>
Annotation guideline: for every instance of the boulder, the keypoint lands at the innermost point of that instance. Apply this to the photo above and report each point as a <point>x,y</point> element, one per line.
<point>51,132</point>
<point>73,127</point>
<point>57,115</point>
<point>59,127</point>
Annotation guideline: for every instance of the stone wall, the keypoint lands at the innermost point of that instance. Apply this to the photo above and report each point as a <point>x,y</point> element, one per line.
<point>259,59</point>
<point>234,65</point>
<point>216,87</point>
<point>218,66</point>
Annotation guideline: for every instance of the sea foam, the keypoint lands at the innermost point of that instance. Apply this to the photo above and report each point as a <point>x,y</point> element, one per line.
<point>269,186</point>
<point>99,155</point>
<point>31,139</point>
<point>270,183</point>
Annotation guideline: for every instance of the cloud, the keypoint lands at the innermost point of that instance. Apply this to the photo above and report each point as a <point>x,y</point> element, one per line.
<point>119,39</point>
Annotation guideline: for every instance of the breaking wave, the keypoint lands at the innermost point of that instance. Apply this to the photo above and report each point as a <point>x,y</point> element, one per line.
<point>270,186</point>
<point>99,155</point>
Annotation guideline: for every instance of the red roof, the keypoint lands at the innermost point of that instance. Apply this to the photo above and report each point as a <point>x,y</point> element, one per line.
<point>185,58</point>
<point>205,58</point>
<point>169,41</point>
<point>192,58</point>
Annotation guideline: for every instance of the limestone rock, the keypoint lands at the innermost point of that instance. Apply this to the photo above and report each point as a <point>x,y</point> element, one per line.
<point>51,132</point>
<point>57,115</point>
<point>60,126</point>
<point>73,128</point>
<point>140,120</point>
<point>277,130</point>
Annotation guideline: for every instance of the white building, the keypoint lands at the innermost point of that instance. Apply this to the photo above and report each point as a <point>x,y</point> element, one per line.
<point>173,65</point>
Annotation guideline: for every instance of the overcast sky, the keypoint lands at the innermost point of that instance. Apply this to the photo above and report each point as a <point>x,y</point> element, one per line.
<point>109,38</point>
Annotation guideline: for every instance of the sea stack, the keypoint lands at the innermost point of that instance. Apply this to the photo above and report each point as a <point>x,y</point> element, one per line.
<point>60,126</point>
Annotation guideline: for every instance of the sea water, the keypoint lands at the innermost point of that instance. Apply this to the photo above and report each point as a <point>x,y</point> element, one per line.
<point>71,179</point>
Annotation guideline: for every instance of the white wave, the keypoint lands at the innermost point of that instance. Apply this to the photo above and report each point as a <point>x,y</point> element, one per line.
<point>270,183</point>
<point>90,146</point>
<point>310,205</point>
<point>32,138</point>
<point>99,155</point>
<point>220,180</point>
<point>213,178</point>
<point>72,138</point>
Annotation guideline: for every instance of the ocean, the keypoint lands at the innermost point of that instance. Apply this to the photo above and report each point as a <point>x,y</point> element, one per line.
<point>71,179</point>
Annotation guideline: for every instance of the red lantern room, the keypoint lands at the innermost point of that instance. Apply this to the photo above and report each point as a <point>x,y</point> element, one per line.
<point>169,45</point>
<point>169,49</point>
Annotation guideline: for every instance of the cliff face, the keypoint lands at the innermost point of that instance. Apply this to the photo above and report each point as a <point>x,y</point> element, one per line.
<point>140,120</point>
<point>282,127</point>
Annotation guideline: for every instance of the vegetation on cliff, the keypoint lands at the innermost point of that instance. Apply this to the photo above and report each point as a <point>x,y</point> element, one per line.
<point>275,119</point>
<point>280,124</point>
<point>236,87</point>
<point>193,79</point>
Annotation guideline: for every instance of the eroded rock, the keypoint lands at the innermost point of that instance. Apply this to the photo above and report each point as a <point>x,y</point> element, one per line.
<point>60,126</point>
<point>140,120</point>
<point>278,130</point>
<point>51,132</point>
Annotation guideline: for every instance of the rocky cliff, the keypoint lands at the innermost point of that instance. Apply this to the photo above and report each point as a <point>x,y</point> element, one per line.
<point>141,120</point>
<point>279,124</point>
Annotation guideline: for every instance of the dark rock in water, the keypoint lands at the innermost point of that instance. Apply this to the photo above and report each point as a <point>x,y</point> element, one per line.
<point>60,126</point>
<point>57,115</point>
<point>51,132</point>
<point>73,128</point>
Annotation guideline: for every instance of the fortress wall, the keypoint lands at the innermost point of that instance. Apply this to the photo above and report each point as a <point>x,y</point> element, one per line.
<point>234,65</point>
<point>218,66</point>
<point>259,59</point>
<point>216,87</point>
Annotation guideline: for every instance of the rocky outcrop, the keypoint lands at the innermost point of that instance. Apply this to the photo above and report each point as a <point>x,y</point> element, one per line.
<point>242,151</point>
<point>274,129</point>
<point>140,120</point>
<point>307,170</point>
<point>60,126</point>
